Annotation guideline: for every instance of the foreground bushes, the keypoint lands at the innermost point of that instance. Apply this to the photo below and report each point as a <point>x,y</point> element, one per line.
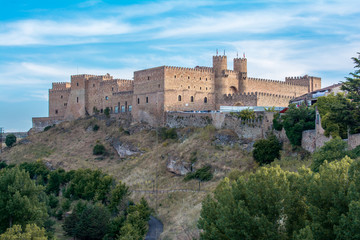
<point>276,204</point>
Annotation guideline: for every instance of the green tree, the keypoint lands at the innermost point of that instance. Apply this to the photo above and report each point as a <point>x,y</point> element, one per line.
<point>10,140</point>
<point>37,170</point>
<point>337,115</point>
<point>20,199</point>
<point>335,149</point>
<point>56,179</point>
<point>32,232</point>
<point>118,198</point>
<point>99,149</point>
<point>352,85</point>
<point>349,227</point>
<point>266,150</point>
<point>296,120</point>
<point>89,184</point>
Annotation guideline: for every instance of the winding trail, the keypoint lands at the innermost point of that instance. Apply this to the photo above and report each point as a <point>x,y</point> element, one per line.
<point>155,229</point>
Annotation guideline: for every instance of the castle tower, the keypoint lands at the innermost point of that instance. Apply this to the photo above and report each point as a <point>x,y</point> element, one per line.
<point>240,66</point>
<point>219,65</point>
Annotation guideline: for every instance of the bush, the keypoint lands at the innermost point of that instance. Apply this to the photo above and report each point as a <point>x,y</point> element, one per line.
<point>99,149</point>
<point>107,112</point>
<point>335,149</point>
<point>202,174</point>
<point>266,150</point>
<point>95,127</point>
<point>278,126</point>
<point>167,133</point>
<point>48,127</point>
<point>10,140</point>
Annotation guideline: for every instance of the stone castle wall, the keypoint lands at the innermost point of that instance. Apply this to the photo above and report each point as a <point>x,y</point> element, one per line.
<point>275,87</point>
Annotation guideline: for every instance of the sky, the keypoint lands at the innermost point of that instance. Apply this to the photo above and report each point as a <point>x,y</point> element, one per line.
<point>48,41</point>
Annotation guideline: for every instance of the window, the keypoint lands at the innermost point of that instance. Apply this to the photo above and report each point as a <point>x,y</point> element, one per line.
<point>62,96</point>
<point>138,100</point>
<point>106,98</point>
<point>188,77</point>
<point>206,88</point>
<point>102,110</point>
<point>205,100</point>
<point>94,85</point>
<point>77,84</point>
<point>179,98</point>
<point>200,78</point>
<point>147,99</point>
<point>116,109</point>
<point>205,79</point>
<point>192,99</point>
<point>175,76</point>
<point>159,85</point>
<point>200,88</point>
<point>112,89</point>
<point>122,108</point>
<point>148,77</point>
<point>130,108</point>
<point>56,111</point>
<point>65,104</point>
<point>77,99</point>
<point>188,87</point>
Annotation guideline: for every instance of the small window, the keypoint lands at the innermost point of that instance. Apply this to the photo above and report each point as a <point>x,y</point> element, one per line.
<point>77,84</point>
<point>106,98</point>
<point>56,111</point>
<point>122,108</point>
<point>112,89</point>
<point>179,98</point>
<point>65,104</point>
<point>206,88</point>
<point>159,85</point>
<point>61,97</point>
<point>192,99</point>
<point>138,100</point>
<point>102,110</point>
<point>116,109</point>
<point>205,100</point>
<point>175,76</point>
<point>77,99</point>
<point>188,77</point>
<point>200,78</point>
<point>205,79</point>
<point>200,88</point>
<point>130,108</point>
<point>188,87</point>
<point>147,99</point>
<point>94,85</point>
<point>148,77</point>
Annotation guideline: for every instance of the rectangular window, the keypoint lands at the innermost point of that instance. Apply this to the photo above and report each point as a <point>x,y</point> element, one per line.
<point>122,108</point>
<point>130,108</point>
<point>116,109</point>
<point>147,99</point>
<point>77,99</point>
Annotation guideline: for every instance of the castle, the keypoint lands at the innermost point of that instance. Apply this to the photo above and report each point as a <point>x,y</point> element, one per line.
<point>156,91</point>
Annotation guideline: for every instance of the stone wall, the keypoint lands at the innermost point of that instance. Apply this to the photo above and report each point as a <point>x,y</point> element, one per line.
<point>275,87</point>
<point>353,141</point>
<point>245,129</point>
<point>39,123</point>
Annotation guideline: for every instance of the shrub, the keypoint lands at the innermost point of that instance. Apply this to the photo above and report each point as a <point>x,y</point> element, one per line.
<point>99,149</point>
<point>167,133</point>
<point>95,127</point>
<point>202,174</point>
<point>335,149</point>
<point>47,128</point>
<point>278,126</point>
<point>10,140</point>
<point>266,150</point>
<point>107,112</point>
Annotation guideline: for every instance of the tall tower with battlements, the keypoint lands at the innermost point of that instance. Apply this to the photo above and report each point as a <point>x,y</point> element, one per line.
<point>240,67</point>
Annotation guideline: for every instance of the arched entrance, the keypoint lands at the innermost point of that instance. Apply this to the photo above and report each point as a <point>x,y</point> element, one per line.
<point>233,90</point>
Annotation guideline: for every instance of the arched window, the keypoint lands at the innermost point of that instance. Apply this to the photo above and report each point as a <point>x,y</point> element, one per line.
<point>179,98</point>
<point>138,100</point>
<point>192,99</point>
<point>205,100</point>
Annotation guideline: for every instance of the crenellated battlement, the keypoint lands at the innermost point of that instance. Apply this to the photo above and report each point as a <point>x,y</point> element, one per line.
<point>123,93</point>
<point>196,69</point>
<point>92,77</point>
<point>61,85</point>
<point>305,77</point>
<point>254,94</point>
<point>273,81</point>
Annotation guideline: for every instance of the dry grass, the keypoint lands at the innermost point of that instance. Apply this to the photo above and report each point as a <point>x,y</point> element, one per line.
<point>69,145</point>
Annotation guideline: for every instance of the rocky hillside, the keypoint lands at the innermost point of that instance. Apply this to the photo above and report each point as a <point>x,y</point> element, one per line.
<point>147,161</point>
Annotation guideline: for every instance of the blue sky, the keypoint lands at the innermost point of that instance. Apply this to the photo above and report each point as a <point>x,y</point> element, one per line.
<point>47,41</point>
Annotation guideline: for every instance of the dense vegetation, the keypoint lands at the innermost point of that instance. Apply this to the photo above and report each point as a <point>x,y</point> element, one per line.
<point>275,204</point>
<point>92,205</point>
<point>267,150</point>
<point>10,140</point>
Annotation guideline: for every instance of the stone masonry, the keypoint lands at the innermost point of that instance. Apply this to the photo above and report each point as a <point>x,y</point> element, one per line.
<point>155,91</point>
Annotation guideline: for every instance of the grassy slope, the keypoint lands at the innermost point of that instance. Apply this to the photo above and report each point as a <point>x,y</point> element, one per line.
<point>69,145</point>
